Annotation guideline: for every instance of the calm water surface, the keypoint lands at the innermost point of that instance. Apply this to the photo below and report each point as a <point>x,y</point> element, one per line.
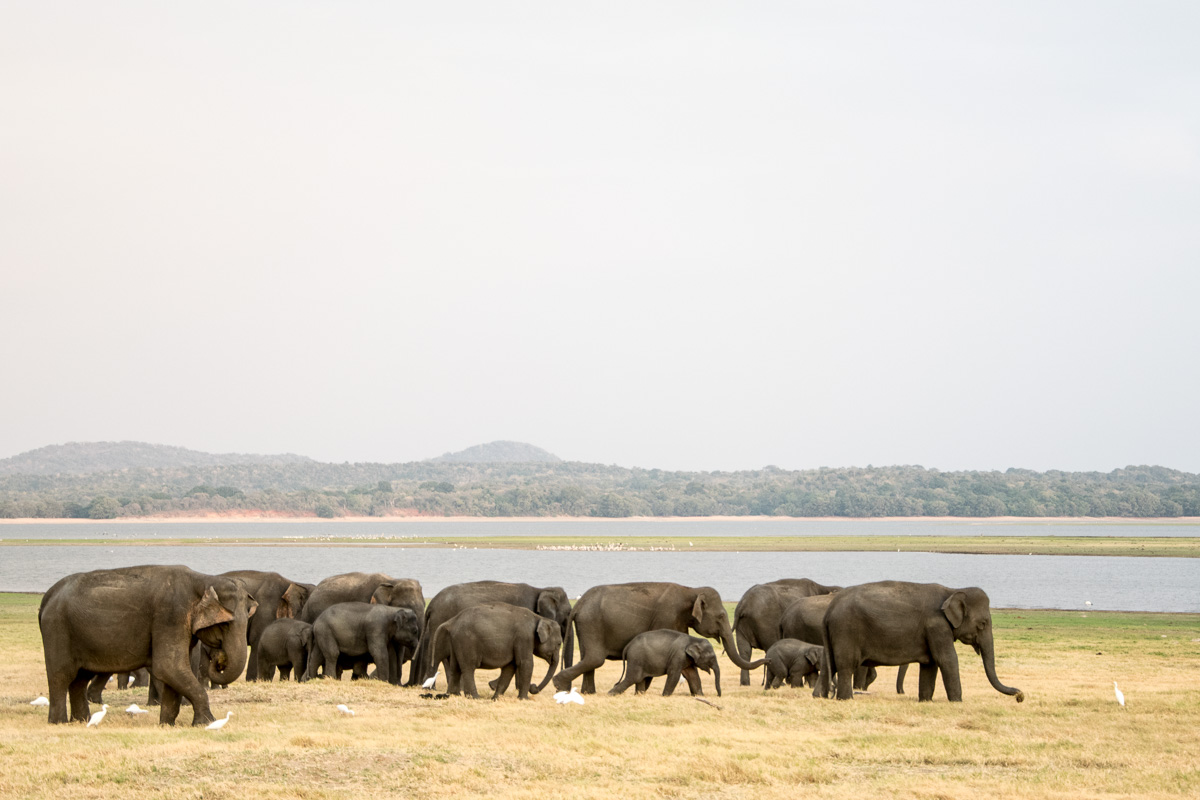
<point>425,529</point>
<point>1112,583</point>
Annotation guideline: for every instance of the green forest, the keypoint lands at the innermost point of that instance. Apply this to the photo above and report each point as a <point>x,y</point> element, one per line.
<point>595,490</point>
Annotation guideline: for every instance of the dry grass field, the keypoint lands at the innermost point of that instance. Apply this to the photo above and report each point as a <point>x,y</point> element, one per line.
<point>1068,740</point>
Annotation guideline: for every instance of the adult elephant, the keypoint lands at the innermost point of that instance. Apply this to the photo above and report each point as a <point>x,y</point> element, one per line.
<point>607,618</point>
<point>896,622</point>
<point>119,620</point>
<point>368,587</point>
<point>804,620</point>
<point>496,636</point>
<point>351,632</point>
<point>757,615</point>
<point>549,602</point>
<point>278,598</point>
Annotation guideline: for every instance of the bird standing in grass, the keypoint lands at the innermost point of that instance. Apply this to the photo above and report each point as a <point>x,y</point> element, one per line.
<point>133,709</point>
<point>573,696</point>
<point>429,684</point>
<point>39,701</point>
<point>342,707</point>
<point>1120,695</point>
<point>216,726</point>
<point>98,717</point>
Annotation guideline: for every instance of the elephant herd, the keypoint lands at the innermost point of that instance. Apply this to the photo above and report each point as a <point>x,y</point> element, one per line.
<point>188,629</point>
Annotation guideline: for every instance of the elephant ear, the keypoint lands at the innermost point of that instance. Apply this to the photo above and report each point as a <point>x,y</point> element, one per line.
<point>251,605</point>
<point>695,651</point>
<point>698,608</point>
<point>955,608</point>
<point>293,601</point>
<point>545,605</point>
<point>814,656</point>
<point>208,611</point>
<point>545,630</point>
<point>375,595</point>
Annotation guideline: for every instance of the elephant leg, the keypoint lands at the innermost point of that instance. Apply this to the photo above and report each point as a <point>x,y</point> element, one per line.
<point>77,693</point>
<point>59,688</point>
<point>180,680</point>
<point>154,693</point>
<point>589,682</point>
<point>468,683</point>
<point>845,682</point>
<point>500,685</point>
<point>383,659</point>
<point>169,711</point>
<point>673,672</point>
<point>252,663</point>
<point>298,664</point>
<point>927,682</point>
<point>524,676</point>
<point>95,689</point>
<point>900,678</point>
<point>587,667</point>
<point>948,664</point>
<point>692,676</point>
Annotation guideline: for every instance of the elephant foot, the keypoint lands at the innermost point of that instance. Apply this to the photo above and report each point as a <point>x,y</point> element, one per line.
<point>561,683</point>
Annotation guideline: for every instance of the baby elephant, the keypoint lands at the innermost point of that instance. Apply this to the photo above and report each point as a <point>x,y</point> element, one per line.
<point>670,653</point>
<point>287,644</point>
<point>351,632</point>
<point>496,636</point>
<point>793,660</point>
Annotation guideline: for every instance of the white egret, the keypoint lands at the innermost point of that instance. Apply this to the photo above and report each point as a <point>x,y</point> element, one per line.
<point>1087,602</point>
<point>1120,695</point>
<point>575,697</point>
<point>39,701</point>
<point>347,711</point>
<point>133,709</point>
<point>98,717</point>
<point>216,726</point>
<point>430,683</point>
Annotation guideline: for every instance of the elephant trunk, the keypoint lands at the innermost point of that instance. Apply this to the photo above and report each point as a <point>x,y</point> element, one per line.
<point>568,648</point>
<point>987,652</point>
<point>229,659</point>
<point>716,671</point>
<point>731,648</point>
<point>550,671</point>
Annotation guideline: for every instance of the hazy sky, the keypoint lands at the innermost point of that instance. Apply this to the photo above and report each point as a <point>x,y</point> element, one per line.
<point>684,235</point>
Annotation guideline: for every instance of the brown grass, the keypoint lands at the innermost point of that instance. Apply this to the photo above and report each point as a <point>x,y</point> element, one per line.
<point>1068,740</point>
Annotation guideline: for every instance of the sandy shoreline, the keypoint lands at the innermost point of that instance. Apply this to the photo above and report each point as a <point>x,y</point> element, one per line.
<point>267,517</point>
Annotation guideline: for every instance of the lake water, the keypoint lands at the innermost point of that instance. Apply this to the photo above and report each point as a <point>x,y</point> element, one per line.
<point>420,529</point>
<point>1012,581</point>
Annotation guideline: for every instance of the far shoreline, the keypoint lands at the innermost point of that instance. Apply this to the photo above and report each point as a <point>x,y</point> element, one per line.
<point>244,517</point>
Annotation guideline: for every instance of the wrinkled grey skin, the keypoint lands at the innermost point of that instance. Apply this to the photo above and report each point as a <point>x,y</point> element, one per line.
<point>791,660</point>
<point>496,636</point>
<point>368,587</point>
<point>278,598</point>
<point>350,631</point>
<point>671,653</point>
<point>756,619</point>
<point>120,620</point>
<point>549,602</point>
<point>607,618</point>
<point>286,644</point>
<point>804,620</point>
<point>896,622</point>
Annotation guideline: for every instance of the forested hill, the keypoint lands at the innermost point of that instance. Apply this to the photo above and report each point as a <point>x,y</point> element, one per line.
<point>501,453</point>
<point>579,489</point>
<point>77,458</point>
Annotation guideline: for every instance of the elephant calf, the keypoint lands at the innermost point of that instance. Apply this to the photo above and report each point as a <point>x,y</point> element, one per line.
<point>286,644</point>
<point>496,636</point>
<point>670,653</point>
<point>348,631</point>
<point>792,660</point>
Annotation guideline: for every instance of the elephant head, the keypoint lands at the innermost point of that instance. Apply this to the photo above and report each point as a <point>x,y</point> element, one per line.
<point>702,655</point>
<point>292,601</point>
<point>403,628</point>
<point>400,592</point>
<point>969,613</point>
<point>710,621</point>
<point>547,646</point>
<point>552,603</point>
<point>219,618</point>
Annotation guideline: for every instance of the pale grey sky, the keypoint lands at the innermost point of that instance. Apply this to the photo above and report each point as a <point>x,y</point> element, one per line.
<point>681,235</point>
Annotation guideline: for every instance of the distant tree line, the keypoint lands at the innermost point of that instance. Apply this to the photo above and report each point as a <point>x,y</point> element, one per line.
<point>595,490</point>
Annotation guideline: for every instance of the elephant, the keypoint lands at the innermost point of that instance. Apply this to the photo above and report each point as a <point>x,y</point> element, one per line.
<point>896,622</point>
<point>803,620</point>
<point>348,631</point>
<point>368,587</point>
<point>286,644</point>
<point>607,618</point>
<point>278,598</point>
<point>670,653</point>
<point>120,620</point>
<point>496,636</point>
<point>791,660</point>
<point>551,603</point>
<point>757,615</point>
